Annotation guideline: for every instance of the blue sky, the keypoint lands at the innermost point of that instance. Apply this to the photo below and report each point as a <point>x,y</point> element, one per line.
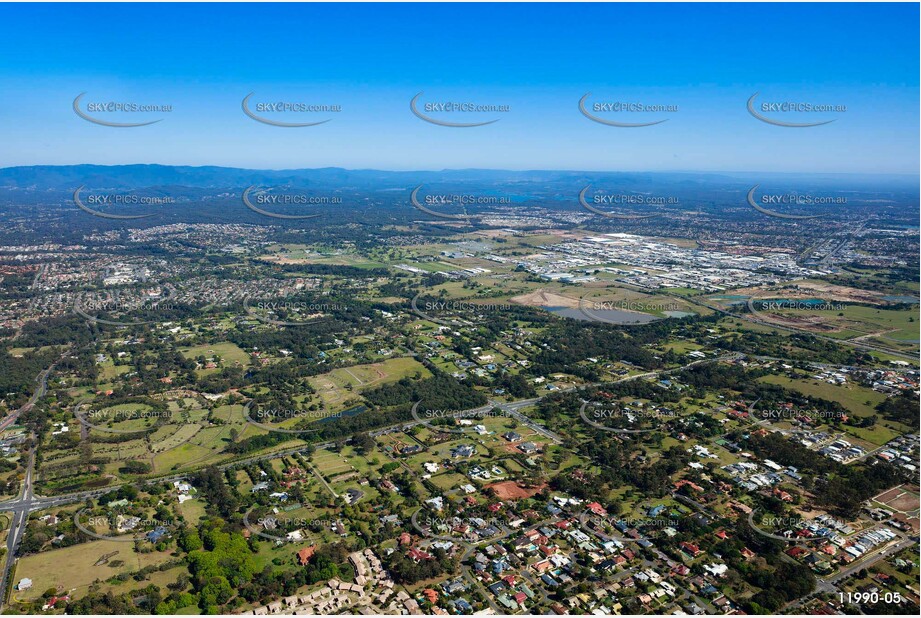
<point>538,59</point>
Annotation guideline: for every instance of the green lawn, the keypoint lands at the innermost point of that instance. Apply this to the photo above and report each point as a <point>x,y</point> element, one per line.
<point>857,399</point>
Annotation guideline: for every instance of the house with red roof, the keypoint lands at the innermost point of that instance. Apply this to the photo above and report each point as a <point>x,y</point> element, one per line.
<point>50,603</point>
<point>417,555</point>
<point>597,509</point>
<point>784,496</point>
<point>681,569</point>
<point>547,550</point>
<point>304,555</point>
<point>690,549</point>
<point>691,484</point>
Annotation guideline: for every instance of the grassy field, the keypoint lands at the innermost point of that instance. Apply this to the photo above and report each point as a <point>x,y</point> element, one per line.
<point>682,347</point>
<point>72,569</point>
<point>109,370</point>
<point>226,351</point>
<point>298,254</point>
<point>852,321</point>
<point>123,417</point>
<point>858,400</point>
<point>193,510</point>
<point>332,465</point>
<point>340,386</point>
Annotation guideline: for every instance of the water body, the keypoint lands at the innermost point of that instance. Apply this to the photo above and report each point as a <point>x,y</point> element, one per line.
<point>901,299</point>
<point>355,411</point>
<point>796,302</point>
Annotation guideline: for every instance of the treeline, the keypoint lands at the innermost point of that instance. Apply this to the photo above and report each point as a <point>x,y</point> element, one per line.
<point>17,374</point>
<point>440,391</point>
<point>393,403</point>
<point>841,488</point>
<point>404,570</point>
<point>570,342</point>
<point>797,347</point>
<point>210,482</point>
<point>62,330</point>
<point>346,272</point>
<point>901,409</point>
<point>620,463</point>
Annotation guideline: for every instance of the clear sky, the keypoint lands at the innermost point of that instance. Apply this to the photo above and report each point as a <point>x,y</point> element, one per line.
<point>538,59</point>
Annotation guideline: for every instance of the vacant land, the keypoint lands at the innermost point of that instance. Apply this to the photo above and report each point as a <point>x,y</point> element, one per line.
<point>341,386</point>
<point>73,569</point>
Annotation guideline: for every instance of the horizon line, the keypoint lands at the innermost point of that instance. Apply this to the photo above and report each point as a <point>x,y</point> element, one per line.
<point>460,169</point>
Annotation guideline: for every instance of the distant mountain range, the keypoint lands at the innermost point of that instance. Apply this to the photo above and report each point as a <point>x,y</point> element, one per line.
<point>68,177</point>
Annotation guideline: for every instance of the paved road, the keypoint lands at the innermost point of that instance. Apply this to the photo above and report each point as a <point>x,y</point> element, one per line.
<point>512,408</point>
<point>42,380</point>
<point>19,513</point>
<point>469,548</point>
<point>20,507</point>
<point>829,585</point>
<point>28,502</point>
